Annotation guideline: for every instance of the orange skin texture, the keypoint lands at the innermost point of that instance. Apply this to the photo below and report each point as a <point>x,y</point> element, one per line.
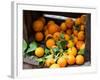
<point>38,25</point>
<point>49,62</point>
<point>79,44</point>
<point>69,23</point>
<point>50,43</point>
<point>52,28</point>
<point>55,66</point>
<point>62,62</point>
<point>79,59</point>
<point>81,36</point>
<point>56,36</point>
<point>70,59</point>
<point>39,36</point>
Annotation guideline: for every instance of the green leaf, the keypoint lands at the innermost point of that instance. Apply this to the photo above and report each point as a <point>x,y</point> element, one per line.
<point>55,50</point>
<point>81,51</point>
<point>32,47</point>
<point>63,43</point>
<point>40,61</point>
<point>24,45</point>
<point>62,36</point>
<point>47,51</point>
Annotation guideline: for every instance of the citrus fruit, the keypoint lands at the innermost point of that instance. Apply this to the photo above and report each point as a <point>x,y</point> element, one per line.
<point>50,43</point>
<point>70,44</point>
<point>70,59</point>
<point>83,19</point>
<point>56,36</point>
<point>67,37</point>
<point>79,44</point>
<point>39,36</point>
<point>75,32</point>
<point>72,51</point>
<point>63,26</point>
<point>39,52</point>
<point>38,25</point>
<point>52,28</point>
<point>49,62</point>
<point>62,61</point>
<point>69,31</point>
<point>79,59</point>
<point>82,27</point>
<point>81,35</point>
<point>48,36</point>
<point>78,21</point>
<point>69,23</point>
<point>55,66</point>
<point>75,39</point>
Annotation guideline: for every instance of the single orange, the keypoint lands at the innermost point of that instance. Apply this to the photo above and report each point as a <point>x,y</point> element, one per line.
<point>50,43</point>
<point>79,59</point>
<point>72,51</point>
<point>62,61</point>
<point>63,26</point>
<point>79,44</point>
<point>69,23</point>
<point>78,21</point>
<point>39,36</point>
<point>38,25</point>
<point>81,35</point>
<point>49,62</point>
<point>67,37</point>
<point>39,52</point>
<point>55,66</point>
<point>56,36</point>
<point>52,28</point>
<point>70,59</point>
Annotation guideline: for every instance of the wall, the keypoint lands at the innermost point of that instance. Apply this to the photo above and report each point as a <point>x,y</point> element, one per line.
<point>5,38</point>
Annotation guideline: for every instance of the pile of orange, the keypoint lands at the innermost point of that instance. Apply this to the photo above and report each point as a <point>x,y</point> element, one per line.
<point>74,34</point>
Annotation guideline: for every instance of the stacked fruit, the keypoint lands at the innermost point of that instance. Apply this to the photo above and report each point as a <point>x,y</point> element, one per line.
<point>63,44</point>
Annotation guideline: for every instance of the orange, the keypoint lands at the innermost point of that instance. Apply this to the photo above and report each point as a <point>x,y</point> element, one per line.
<point>52,28</point>
<point>70,44</point>
<point>83,19</point>
<point>63,26</point>
<point>46,32</point>
<point>67,37</point>
<point>50,22</point>
<point>39,52</point>
<point>49,62</point>
<point>79,59</point>
<point>75,39</point>
<point>39,36</point>
<point>78,21</point>
<point>69,23</point>
<point>75,32</point>
<point>62,62</point>
<point>50,43</point>
<point>69,31</point>
<point>48,36</point>
<point>79,44</point>
<point>38,25</point>
<point>72,51</point>
<point>55,66</point>
<point>44,28</point>
<point>82,27</point>
<point>70,59</point>
<point>42,19</point>
<point>81,35</point>
<point>56,36</point>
